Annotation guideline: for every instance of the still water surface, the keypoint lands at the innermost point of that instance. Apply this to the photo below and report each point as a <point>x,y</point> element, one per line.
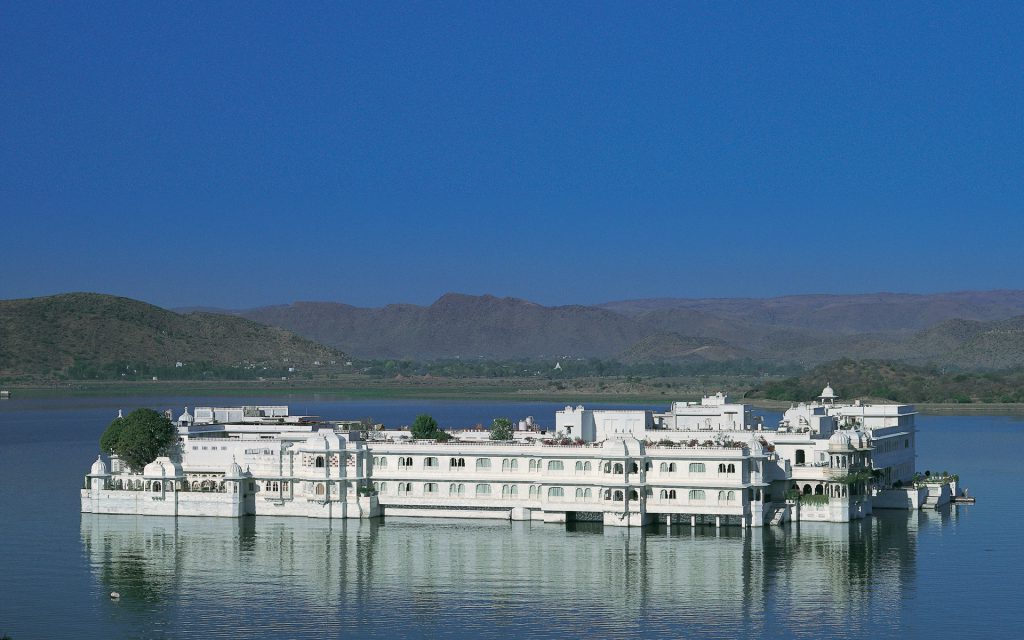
<point>951,573</point>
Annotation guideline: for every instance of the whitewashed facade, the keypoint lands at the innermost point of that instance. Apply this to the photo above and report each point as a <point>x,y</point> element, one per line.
<point>708,462</point>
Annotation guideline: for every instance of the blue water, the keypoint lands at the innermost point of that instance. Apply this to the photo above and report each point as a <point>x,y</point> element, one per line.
<point>951,573</point>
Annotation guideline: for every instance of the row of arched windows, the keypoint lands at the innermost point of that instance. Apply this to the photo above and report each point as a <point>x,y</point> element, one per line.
<point>481,490</point>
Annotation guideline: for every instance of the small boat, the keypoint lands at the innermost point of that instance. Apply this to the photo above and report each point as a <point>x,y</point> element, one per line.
<point>115,595</point>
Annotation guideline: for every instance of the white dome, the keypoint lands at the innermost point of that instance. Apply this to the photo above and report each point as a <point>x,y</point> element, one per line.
<point>186,417</point>
<point>756,448</point>
<point>233,471</point>
<point>153,470</point>
<point>98,467</point>
<point>839,440</point>
<point>828,393</point>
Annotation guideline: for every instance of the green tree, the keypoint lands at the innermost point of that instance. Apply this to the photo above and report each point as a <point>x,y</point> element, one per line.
<point>424,427</point>
<point>139,437</point>
<point>501,429</point>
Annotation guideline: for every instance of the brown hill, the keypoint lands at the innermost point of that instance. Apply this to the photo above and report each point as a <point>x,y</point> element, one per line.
<point>860,313</point>
<point>795,329</point>
<point>672,347</point>
<point>50,335</point>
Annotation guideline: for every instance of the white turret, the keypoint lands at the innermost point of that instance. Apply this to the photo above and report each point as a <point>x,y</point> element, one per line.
<point>99,468</point>
<point>828,395</point>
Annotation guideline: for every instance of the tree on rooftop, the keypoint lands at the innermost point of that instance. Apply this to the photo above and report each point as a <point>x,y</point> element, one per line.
<point>424,427</point>
<point>139,437</point>
<point>501,429</point>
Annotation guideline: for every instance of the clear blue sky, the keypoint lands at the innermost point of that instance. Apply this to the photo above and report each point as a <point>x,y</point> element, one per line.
<point>240,154</point>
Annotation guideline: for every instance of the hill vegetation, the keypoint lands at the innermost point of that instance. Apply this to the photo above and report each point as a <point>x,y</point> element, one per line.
<point>89,336</point>
<point>899,382</point>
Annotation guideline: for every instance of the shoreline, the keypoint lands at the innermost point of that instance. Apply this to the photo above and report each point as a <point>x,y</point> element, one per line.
<point>513,390</point>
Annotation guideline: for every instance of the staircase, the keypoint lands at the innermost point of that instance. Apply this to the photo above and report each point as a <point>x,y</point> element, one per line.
<point>776,515</point>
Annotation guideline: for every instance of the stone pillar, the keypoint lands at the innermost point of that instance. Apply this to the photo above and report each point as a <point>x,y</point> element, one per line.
<point>693,521</point>
<point>718,522</point>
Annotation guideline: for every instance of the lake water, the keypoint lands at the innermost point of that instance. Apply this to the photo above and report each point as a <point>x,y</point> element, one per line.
<point>957,572</point>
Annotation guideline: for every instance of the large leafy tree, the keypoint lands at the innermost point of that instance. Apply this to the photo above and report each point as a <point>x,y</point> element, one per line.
<point>139,437</point>
<point>425,428</point>
<point>501,429</point>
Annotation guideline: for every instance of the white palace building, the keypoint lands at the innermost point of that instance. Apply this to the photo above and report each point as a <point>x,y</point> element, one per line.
<point>711,462</point>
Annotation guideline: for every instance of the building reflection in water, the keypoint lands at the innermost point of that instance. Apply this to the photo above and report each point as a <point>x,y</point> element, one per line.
<point>458,576</point>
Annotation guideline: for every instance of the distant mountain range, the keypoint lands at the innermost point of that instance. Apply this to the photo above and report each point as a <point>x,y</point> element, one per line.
<point>968,330</point>
<point>962,329</point>
<point>92,332</point>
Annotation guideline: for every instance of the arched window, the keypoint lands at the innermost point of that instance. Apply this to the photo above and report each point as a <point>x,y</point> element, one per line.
<point>430,488</point>
<point>731,469</point>
<point>157,486</point>
<point>586,466</point>
<point>696,494</point>
<point>801,456</point>
<point>319,462</point>
<point>456,462</point>
<point>818,490</point>
<point>807,489</point>
<point>618,468</point>
<point>534,465</point>
<point>404,488</point>
<point>671,467</point>
<point>663,494</point>
<point>607,494</point>
<point>634,468</point>
<point>721,468</point>
<point>607,467</point>
<point>555,465</point>
<point>534,491</point>
<point>509,491</point>
<point>618,496</point>
<point>376,487</point>
<point>730,497</point>
<point>513,465</point>
<point>579,465</point>
<point>483,490</point>
<point>319,489</point>
<point>483,463</point>
<point>556,492</point>
<point>633,495</point>
<point>696,467</point>
<point>456,489</point>
<point>579,493</point>
<point>404,463</point>
<point>430,462</point>
<point>663,467</point>
<point>587,494</point>
<point>672,494</point>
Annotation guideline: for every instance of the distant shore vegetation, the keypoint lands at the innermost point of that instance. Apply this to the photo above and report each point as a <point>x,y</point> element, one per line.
<point>566,378</point>
<point>897,382</point>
